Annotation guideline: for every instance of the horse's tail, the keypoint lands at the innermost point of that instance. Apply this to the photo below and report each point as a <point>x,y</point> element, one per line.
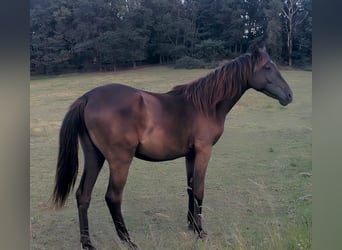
<point>67,164</point>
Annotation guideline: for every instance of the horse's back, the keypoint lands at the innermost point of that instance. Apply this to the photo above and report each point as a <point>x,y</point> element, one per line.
<point>110,94</point>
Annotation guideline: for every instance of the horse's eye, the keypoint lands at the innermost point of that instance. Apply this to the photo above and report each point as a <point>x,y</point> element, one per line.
<point>267,67</point>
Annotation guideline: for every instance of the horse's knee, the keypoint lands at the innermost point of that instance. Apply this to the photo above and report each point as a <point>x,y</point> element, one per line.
<point>113,203</point>
<point>113,196</point>
<point>108,200</point>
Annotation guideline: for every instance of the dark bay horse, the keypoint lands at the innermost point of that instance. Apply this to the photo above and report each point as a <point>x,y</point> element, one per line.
<point>116,123</point>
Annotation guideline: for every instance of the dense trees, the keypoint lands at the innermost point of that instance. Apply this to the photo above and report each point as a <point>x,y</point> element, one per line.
<point>106,34</point>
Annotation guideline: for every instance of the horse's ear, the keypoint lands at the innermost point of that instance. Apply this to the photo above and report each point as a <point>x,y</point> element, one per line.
<point>256,53</point>
<point>263,48</point>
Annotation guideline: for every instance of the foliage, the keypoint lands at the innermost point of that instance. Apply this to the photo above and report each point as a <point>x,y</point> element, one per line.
<point>210,50</point>
<point>187,62</point>
<point>105,34</point>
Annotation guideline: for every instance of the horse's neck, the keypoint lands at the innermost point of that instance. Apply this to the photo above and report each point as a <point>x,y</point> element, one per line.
<point>223,107</point>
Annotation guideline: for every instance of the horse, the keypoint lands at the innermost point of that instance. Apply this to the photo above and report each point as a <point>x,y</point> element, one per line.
<point>115,122</point>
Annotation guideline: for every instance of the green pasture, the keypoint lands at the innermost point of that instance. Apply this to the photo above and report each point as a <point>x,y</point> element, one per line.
<point>258,192</point>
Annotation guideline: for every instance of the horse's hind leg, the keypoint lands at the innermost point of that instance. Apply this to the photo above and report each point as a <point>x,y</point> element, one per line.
<point>119,167</point>
<point>93,162</point>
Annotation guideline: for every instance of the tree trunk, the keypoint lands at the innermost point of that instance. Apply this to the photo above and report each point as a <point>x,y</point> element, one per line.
<point>289,45</point>
<point>290,12</point>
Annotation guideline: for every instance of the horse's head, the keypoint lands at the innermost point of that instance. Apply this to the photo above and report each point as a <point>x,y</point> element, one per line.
<point>267,79</point>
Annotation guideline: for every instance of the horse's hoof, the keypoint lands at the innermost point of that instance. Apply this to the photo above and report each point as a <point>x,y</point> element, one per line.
<point>203,235</point>
<point>88,247</point>
<point>136,247</point>
<point>133,246</point>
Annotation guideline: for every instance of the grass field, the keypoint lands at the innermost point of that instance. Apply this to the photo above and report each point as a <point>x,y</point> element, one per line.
<point>258,192</point>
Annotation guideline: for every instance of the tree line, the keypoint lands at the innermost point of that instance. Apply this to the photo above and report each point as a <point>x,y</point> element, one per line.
<point>88,35</point>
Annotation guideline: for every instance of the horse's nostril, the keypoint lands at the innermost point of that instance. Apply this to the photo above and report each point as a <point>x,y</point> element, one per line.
<point>290,96</point>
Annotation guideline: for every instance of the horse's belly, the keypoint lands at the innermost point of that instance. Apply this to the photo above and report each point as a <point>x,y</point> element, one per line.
<point>161,149</point>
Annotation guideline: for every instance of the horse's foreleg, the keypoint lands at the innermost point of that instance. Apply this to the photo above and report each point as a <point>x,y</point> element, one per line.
<point>202,157</point>
<point>117,181</point>
<point>190,175</point>
<point>93,163</point>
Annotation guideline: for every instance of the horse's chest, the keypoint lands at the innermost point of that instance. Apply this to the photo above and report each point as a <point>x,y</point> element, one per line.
<point>208,133</point>
<point>217,136</point>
